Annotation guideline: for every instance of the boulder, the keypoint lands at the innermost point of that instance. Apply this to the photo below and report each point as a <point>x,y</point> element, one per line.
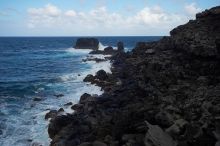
<point>109,50</point>
<point>96,52</point>
<point>101,75</point>
<point>120,46</point>
<point>58,95</point>
<point>87,43</point>
<point>99,143</point>
<point>51,114</point>
<point>164,119</point>
<point>177,128</point>
<point>89,78</point>
<point>155,136</point>
<point>37,98</point>
<point>77,107</point>
<point>150,51</point>
<point>68,104</point>
<point>57,124</point>
<point>86,98</point>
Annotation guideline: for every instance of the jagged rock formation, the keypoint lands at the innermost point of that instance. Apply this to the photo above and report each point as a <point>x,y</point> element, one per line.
<point>87,43</point>
<point>164,93</point>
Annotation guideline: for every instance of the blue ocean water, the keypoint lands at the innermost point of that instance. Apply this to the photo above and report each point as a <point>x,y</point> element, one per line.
<point>42,67</point>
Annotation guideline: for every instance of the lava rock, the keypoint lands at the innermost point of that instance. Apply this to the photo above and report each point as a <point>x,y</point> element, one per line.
<point>51,114</point>
<point>99,143</point>
<point>87,43</point>
<point>57,124</point>
<point>157,137</point>
<point>120,46</point>
<point>85,98</point>
<point>58,95</point>
<point>89,78</point>
<point>68,104</point>
<point>101,75</point>
<point>37,98</point>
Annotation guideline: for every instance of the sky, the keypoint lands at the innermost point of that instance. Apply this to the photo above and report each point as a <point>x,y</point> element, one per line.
<point>97,17</point>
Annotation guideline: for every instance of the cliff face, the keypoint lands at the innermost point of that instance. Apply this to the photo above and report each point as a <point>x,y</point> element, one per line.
<point>200,37</point>
<point>164,93</point>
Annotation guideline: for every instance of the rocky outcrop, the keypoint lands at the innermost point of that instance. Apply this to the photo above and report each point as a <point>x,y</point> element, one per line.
<point>120,46</point>
<point>87,43</point>
<point>200,37</point>
<point>107,51</point>
<point>161,93</point>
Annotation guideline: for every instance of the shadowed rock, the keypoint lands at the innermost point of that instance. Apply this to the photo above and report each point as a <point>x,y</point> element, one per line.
<point>120,46</point>
<point>87,43</point>
<point>173,84</point>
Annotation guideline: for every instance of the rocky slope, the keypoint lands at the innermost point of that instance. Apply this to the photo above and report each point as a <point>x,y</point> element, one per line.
<point>164,93</point>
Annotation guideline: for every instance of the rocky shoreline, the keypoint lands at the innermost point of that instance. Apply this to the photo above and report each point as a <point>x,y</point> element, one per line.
<point>164,93</point>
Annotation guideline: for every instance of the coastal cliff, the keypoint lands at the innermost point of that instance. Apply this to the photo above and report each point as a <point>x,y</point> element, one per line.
<point>164,93</point>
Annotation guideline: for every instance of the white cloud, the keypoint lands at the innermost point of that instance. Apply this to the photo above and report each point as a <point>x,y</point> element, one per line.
<point>192,9</point>
<point>70,13</point>
<point>48,10</point>
<point>99,21</point>
<point>156,17</point>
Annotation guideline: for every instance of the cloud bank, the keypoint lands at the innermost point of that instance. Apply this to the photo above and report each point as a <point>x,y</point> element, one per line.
<point>99,21</point>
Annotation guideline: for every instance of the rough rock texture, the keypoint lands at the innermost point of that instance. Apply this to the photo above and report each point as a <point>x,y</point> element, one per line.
<point>162,93</point>
<point>87,43</point>
<point>107,51</point>
<point>120,46</point>
<point>199,37</point>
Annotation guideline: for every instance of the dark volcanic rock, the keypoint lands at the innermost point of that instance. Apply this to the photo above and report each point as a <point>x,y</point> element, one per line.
<point>68,104</point>
<point>101,75</point>
<point>86,98</point>
<point>120,46</point>
<point>87,43</point>
<point>57,124</point>
<point>107,51</point>
<point>199,37</point>
<point>37,98</point>
<point>51,114</point>
<point>89,78</point>
<point>164,93</point>
<point>157,137</point>
<point>58,95</point>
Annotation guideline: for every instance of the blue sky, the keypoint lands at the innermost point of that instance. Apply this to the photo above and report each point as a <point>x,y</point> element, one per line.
<point>96,17</point>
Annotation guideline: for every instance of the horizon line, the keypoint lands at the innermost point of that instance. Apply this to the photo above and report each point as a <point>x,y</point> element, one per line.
<point>95,36</point>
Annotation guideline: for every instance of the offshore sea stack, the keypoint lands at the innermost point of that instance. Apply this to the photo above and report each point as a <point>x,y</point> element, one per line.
<point>87,43</point>
<point>164,93</point>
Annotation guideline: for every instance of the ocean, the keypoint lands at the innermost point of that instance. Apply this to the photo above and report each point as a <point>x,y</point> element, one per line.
<point>39,68</point>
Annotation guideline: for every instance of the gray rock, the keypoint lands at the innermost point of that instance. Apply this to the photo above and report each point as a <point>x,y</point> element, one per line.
<point>164,118</point>
<point>217,143</point>
<point>177,127</point>
<point>157,137</point>
<point>99,143</point>
<point>150,51</point>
